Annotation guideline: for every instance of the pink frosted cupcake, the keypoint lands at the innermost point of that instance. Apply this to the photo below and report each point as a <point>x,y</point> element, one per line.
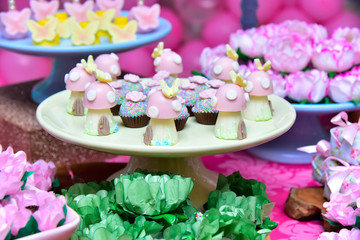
<point>133,111</point>
<point>200,81</point>
<point>188,92</point>
<point>181,120</point>
<point>203,110</point>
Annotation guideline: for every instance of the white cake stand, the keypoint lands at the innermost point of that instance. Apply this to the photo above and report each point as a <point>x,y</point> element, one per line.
<point>66,55</point>
<point>184,158</point>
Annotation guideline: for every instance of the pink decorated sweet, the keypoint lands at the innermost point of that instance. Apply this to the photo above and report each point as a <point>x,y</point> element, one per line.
<point>288,53</point>
<point>259,86</point>
<point>133,78</point>
<point>167,60</point>
<point>135,96</point>
<point>42,9</point>
<point>109,63</point>
<point>200,80</point>
<point>209,56</point>
<point>279,84</point>
<point>223,66</point>
<point>344,87</point>
<point>333,55</point>
<point>75,81</point>
<point>152,83</point>
<point>352,36</point>
<point>188,86</point>
<point>146,17</point>
<point>116,84</point>
<point>311,85</point>
<point>215,83</point>
<point>207,93</point>
<point>99,98</point>
<point>107,4</point>
<point>78,10</point>
<point>13,23</point>
<point>161,75</point>
<point>230,100</point>
<point>163,107</point>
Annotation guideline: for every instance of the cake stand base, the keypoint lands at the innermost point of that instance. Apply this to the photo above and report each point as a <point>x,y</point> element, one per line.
<point>204,179</point>
<point>307,130</point>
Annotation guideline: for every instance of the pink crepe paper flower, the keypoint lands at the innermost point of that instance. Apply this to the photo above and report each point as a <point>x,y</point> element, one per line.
<point>338,208</point>
<point>20,215</point>
<point>161,75</point>
<point>208,93</point>
<point>345,87</point>
<point>333,55</point>
<point>251,41</point>
<point>344,234</point>
<point>188,86</point>
<point>43,176</point>
<point>132,78</point>
<point>135,96</point>
<point>209,56</point>
<point>25,198</point>
<point>6,219</point>
<point>50,211</point>
<point>288,53</point>
<point>352,36</point>
<point>311,85</point>
<point>198,80</point>
<point>279,84</point>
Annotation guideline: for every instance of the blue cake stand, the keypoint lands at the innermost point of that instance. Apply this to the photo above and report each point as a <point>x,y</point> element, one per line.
<point>66,56</point>
<point>307,130</point>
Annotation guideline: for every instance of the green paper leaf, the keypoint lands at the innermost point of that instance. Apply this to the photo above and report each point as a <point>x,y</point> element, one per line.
<point>8,236</point>
<point>62,221</point>
<point>357,223</point>
<point>332,74</point>
<point>30,228</point>
<point>197,73</point>
<point>268,224</point>
<point>242,56</point>
<point>334,224</point>
<point>24,178</point>
<point>55,183</point>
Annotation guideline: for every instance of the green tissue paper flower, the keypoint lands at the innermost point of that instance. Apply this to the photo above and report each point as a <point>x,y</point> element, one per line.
<point>151,194</point>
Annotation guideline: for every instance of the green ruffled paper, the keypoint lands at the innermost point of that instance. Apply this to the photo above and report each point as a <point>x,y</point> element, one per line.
<point>151,194</point>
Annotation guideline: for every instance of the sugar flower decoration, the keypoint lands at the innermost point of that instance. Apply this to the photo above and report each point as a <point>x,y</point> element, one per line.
<point>238,79</point>
<point>135,96</point>
<point>161,75</point>
<point>44,30</point>
<point>89,65</point>
<point>103,17</point>
<point>208,93</point>
<point>188,86</point>
<point>158,50</point>
<point>84,36</point>
<point>170,91</point>
<point>15,21</point>
<point>231,53</point>
<point>132,78</point>
<point>198,80</point>
<point>128,33</point>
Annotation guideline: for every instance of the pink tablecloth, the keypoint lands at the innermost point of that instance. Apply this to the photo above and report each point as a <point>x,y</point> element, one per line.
<point>278,178</point>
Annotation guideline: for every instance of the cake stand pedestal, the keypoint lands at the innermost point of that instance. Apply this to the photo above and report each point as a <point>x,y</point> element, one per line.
<point>66,56</point>
<point>183,158</point>
<point>307,130</point>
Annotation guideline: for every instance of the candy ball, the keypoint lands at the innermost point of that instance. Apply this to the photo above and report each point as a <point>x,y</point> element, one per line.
<point>138,61</point>
<point>17,67</point>
<point>218,29</point>
<point>322,10</point>
<point>190,53</point>
<point>344,19</point>
<point>291,13</point>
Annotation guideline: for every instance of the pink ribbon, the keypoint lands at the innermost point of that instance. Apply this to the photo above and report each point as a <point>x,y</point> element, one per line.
<point>350,129</point>
<point>341,172</point>
<point>322,147</point>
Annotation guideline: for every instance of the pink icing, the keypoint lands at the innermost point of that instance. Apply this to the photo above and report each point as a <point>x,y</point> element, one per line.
<point>215,83</point>
<point>14,23</point>
<point>109,63</point>
<point>42,9</point>
<point>99,95</point>
<point>208,93</point>
<point>132,78</point>
<point>169,61</point>
<point>78,10</point>
<point>161,75</point>
<point>226,65</point>
<point>198,80</point>
<point>147,17</point>
<point>153,83</point>
<point>116,84</point>
<point>77,79</point>
<point>135,96</point>
<point>107,4</point>
<point>188,86</point>
<point>223,103</point>
<point>163,106</point>
<point>255,85</point>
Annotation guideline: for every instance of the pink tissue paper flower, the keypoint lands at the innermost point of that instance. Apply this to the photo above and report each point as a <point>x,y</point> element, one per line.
<point>132,78</point>
<point>333,55</point>
<point>311,85</point>
<point>20,215</point>
<point>209,56</point>
<point>345,87</point>
<point>6,219</point>
<point>279,84</point>
<point>288,53</point>
<point>338,209</point>
<point>344,234</point>
<point>43,176</point>
<point>135,96</point>
<point>352,36</point>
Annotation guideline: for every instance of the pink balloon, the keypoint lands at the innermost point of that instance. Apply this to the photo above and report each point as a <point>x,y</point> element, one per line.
<point>17,67</point>
<point>138,61</point>
<point>218,29</point>
<point>322,10</point>
<point>344,19</point>
<point>291,2</point>
<point>266,9</point>
<point>131,3</point>
<point>190,53</point>
<point>291,13</point>
<point>19,5</point>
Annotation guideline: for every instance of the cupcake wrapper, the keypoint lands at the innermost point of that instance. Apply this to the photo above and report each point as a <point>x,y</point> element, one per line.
<point>180,123</point>
<point>189,108</point>
<point>206,118</point>
<point>115,110</point>
<point>135,122</point>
